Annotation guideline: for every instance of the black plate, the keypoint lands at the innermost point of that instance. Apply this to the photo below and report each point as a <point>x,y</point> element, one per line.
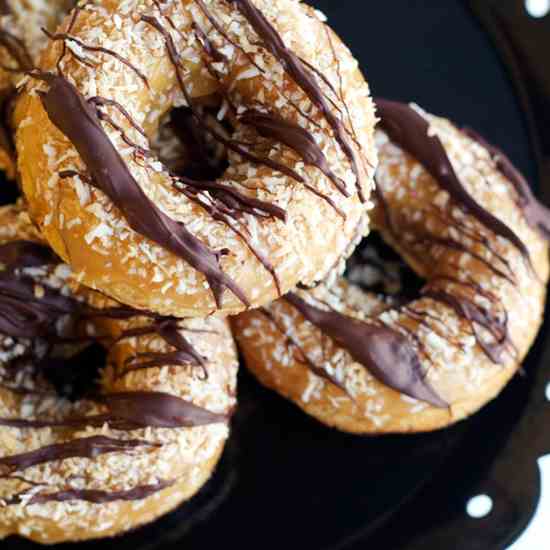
<point>287,482</point>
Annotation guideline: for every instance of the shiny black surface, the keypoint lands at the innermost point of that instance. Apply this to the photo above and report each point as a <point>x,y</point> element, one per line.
<point>285,481</point>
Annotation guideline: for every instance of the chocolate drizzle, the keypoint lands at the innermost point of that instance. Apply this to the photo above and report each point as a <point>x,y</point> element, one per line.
<point>17,50</point>
<point>296,138</point>
<point>477,315</point>
<point>384,352</point>
<point>287,133</point>
<point>86,447</point>
<point>411,131</point>
<point>536,214</point>
<point>297,71</point>
<point>235,200</point>
<point>97,49</point>
<point>158,410</point>
<point>315,369</point>
<point>184,354</point>
<point>24,314</point>
<point>91,495</point>
<point>226,206</point>
<point>229,143</point>
<point>6,136</point>
<point>78,121</point>
<point>21,254</point>
<point>5,8</point>
<point>388,353</point>
<point>130,411</point>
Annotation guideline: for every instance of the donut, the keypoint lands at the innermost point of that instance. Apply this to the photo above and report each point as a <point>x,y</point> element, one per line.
<point>300,151</point>
<point>464,219</point>
<point>21,41</point>
<point>117,457</point>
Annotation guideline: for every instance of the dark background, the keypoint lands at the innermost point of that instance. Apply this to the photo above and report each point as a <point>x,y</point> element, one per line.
<point>436,54</point>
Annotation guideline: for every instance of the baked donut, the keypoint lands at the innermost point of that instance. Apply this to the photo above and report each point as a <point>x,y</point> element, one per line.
<point>21,41</point>
<point>117,458</point>
<point>465,220</point>
<point>300,151</point>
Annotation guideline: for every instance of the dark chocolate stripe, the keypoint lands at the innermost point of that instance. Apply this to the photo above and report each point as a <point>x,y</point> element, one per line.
<point>225,208</point>
<point>17,50</point>
<point>315,369</point>
<point>104,101</point>
<point>76,119</point>
<point>97,49</point>
<point>94,496</point>
<point>296,138</point>
<point>238,200</point>
<point>184,354</point>
<point>159,410</point>
<point>7,99</point>
<point>475,314</point>
<point>536,214</point>
<point>209,48</point>
<point>23,314</point>
<point>384,352</point>
<point>449,242</point>
<point>410,130</point>
<point>458,246</point>
<point>21,254</point>
<point>170,332</point>
<point>76,422</point>
<point>229,143</point>
<point>88,447</point>
<point>297,71</point>
<point>212,20</point>
<point>291,135</point>
<point>150,360</point>
<point>134,410</point>
<point>74,16</point>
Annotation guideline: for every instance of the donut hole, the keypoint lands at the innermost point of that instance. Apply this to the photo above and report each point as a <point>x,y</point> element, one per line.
<point>376,267</point>
<point>75,377</point>
<point>186,147</point>
<point>71,373</point>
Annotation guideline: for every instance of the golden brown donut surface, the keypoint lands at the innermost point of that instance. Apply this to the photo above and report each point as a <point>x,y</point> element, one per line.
<point>21,41</point>
<point>118,458</point>
<point>464,219</point>
<point>301,152</point>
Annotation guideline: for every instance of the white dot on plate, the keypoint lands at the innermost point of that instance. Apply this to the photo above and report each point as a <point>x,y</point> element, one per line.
<point>548,392</point>
<point>537,8</point>
<point>479,507</point>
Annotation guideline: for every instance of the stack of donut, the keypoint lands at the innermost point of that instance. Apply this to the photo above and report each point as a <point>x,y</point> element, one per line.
<point>181,162</point>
